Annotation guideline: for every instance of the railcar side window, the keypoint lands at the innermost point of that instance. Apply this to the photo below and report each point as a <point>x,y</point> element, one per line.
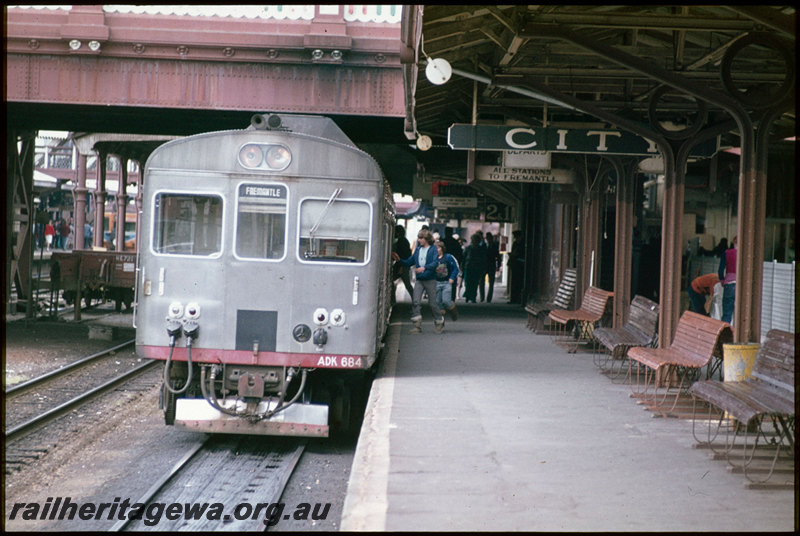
<point>334,231</point>
<point>261,221</point>
<point>187,224</point>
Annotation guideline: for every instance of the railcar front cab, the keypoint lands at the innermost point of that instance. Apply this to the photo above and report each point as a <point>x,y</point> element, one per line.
<point>254,398</point>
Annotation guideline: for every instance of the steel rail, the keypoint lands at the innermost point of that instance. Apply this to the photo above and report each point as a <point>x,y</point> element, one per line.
<point>161,482</point>
<point>27,426</point>
<point>20,387</point>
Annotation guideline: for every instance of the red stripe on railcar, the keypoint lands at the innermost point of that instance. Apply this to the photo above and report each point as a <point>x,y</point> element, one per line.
<point>243,357</point>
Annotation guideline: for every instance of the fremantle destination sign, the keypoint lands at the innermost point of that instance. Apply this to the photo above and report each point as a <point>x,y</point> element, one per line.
<point>546,176</point>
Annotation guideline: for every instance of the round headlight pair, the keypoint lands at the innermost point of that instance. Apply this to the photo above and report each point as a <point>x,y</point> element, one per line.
<point>335,317</point>
<point>271,157</point>
<point>177,311</point>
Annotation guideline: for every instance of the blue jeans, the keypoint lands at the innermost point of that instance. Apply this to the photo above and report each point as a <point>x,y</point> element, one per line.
<point>444,295</point>
<point>697,302</point>
<point>728,295</point>
<point>429,286</point>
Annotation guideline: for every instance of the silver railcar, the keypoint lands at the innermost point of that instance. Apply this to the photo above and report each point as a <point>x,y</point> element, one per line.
<point>263,276</point>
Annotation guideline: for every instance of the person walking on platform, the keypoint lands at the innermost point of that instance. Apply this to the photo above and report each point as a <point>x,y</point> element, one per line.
<point>453,247</point>
<point>474,267</point>
<point>49,233</point>
<point>482,280</point>
<point>63,231</point>
<point>700,288</point>
<point>70,243</point>
<point>87,235</point>
<point>516,264</point>
<point>402,247</point>
<point>424,259</point>
<point>446,274</point>
<point>492,264</point>
<point>727,273</point>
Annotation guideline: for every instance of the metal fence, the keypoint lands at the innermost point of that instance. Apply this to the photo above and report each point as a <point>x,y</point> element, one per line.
<point>778,297</point>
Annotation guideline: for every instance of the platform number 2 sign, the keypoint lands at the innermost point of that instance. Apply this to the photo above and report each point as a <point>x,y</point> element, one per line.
<point>498,212</point>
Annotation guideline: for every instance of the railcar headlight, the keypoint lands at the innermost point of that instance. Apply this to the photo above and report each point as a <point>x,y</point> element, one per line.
<point>337,317</point>
<point>278,157</point>
<point>321,316</point>
<point>251,156</point>
<point>175,310</point>
<point>265,156</point>
<point>192,311</point>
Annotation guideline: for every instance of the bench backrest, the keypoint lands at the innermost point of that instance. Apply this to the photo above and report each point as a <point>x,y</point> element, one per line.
<point>775,360</point>
<point>700,337</point>
<point>595,300</point>
<point>644,316</point>
<point>566,289</point>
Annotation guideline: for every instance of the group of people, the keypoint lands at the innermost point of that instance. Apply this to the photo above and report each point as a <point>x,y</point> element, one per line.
<point>53,234</point>
<point>437,266</point>
<point>703,286</point>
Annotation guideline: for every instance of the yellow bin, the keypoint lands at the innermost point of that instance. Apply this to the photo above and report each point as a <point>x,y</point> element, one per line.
<point>738,361</point>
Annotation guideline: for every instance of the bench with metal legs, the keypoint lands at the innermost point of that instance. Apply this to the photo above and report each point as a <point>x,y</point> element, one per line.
<point>757,414</point>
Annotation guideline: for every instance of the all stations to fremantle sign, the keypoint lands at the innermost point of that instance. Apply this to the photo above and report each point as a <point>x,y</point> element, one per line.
<point>564,140</point>
<point>547,176</point>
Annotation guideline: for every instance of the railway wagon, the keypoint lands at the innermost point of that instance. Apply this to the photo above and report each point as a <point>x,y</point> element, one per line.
<point>96,274</point>
<point>264,275</point>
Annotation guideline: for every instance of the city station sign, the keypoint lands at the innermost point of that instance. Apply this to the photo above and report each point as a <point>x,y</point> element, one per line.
<point>564,140</point>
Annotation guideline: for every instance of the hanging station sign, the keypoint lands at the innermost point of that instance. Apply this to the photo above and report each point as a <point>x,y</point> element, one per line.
<point>544,176</point>
<point>455,202</point>
<point>519,158</point>
<point>564,140</point>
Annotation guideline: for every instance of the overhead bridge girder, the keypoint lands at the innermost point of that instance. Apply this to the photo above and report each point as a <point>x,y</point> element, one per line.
<point>19,216</point>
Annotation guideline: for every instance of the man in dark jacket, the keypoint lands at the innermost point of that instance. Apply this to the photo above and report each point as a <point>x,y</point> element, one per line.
<point>492,263</point>
<point>453,247</point>
<point>424,261</point>
<point>516,265</point>
<point>402,247</point>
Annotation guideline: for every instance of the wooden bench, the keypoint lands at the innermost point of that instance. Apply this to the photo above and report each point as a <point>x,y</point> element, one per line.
<point>538,311</point>
<point>640,330</point>
<point>698,339</point>
<point>761,407</point>
<point>592,309</point>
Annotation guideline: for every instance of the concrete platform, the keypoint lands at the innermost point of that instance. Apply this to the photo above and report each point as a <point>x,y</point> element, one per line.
<point>490,427</point>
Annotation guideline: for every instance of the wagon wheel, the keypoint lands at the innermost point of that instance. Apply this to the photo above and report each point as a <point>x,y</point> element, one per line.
<point>341,417</point>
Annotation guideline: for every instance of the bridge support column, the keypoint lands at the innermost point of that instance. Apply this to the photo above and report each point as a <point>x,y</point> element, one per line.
<point>19,217</point>
<point>623,240</point>
<point>80,203</point>
<point>99,200</point>
<point>122,202</point>
<point>589,236</point>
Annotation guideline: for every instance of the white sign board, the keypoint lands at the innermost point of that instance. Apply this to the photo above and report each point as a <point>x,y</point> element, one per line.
<point>503,174</point>
<point>455,202</point>
<point>526,159</point>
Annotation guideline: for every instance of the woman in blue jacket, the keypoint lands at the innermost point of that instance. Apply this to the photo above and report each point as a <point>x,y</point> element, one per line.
<point>424,260</point>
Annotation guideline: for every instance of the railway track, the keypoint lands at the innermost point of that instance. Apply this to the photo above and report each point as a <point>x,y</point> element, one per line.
<point>34,403</point>
<point>230,483</point>
<point>39,380</point>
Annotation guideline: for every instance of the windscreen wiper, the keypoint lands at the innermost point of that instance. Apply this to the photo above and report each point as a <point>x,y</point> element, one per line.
<point>316,225</point>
